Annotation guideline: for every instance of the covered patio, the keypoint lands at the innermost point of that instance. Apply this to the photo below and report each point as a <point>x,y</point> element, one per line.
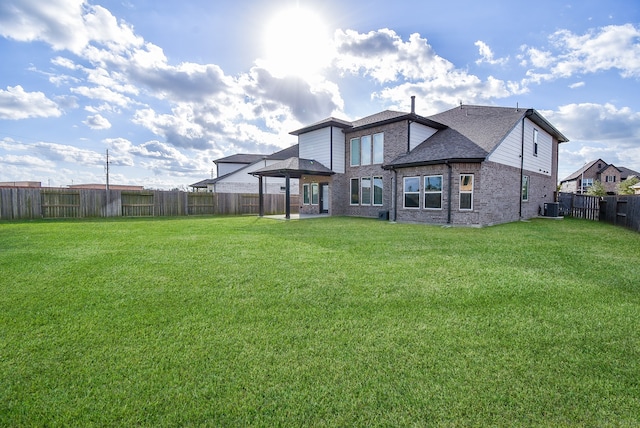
<point>289,168</point>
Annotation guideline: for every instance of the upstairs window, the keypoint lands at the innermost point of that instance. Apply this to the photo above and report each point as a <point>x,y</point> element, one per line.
<point>378,148</point>
<point>535,142</point>
<point>365,152</point>
<point>610,179</point>
<point>466,192</point>
<point>355,151</point>
<point>367,149</point>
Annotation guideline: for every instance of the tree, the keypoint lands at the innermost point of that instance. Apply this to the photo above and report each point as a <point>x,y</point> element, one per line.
<point>597,189</point>
<point>624,187</point>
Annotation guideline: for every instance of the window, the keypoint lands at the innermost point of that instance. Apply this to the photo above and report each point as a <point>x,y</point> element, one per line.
<point>535,142</point>
<point>378,148</point>
<point>586,183</point>
<point>365,152</point>
<point>525,188</point>
<point>314,193</point>
<point>355,191</point>
<point>377,189</point>
<point>365,195</point>
<point>412,192</point>
<point>466,192</point>
<point>355,151</point>
<point>610,179</point>
<point>305,194</point>
<point>433,192</point>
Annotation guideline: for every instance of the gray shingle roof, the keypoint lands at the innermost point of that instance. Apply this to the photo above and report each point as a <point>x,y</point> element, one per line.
<point>295,167</point>
<point>287,153</point>
<point>241,158</point>
<point>472,133</point>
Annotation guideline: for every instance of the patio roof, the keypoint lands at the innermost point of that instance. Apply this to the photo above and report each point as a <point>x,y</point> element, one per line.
<point>293,167</point>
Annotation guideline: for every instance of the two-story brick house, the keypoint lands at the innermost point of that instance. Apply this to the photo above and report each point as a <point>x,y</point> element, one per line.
<point>471,165</point>
<point>598,170</point>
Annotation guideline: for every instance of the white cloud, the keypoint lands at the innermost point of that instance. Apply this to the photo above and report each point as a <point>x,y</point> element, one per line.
<point>614,47</point>
<point>97,122</point>
<point>16,103</point>
<point>577,85</point>
<point>486,55</point>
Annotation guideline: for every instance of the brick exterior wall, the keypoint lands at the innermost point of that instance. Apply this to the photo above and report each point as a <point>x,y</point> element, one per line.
<point>315,208</point>
<point>496,195</point>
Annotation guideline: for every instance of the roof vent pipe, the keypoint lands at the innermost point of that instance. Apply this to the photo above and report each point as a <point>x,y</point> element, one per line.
<point>413,104</point>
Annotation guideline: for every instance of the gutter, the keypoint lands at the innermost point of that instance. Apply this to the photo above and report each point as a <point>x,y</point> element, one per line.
<point>526,115</point>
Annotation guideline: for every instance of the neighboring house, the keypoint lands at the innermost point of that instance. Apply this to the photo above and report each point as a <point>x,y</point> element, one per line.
<point>636,189</point>
<point>234,173</point>
<point>471,165</point>
<point>598,170</point>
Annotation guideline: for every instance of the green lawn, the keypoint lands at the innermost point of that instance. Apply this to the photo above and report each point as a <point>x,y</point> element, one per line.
<point>323,322</point>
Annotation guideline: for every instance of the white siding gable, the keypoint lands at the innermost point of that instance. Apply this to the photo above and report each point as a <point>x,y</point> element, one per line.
<point>317,145</point>
<point>227,168</point>
<point>508,152</point>
<point>241,180</point>
<point>419,133</point>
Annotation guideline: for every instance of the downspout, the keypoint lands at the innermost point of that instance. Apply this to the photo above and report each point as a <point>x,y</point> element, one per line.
<point>450,185</point>
<point>527,114</point>
<point>394,193</point>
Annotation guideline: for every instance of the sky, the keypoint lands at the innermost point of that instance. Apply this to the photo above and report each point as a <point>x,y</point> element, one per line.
<point>167,87</point>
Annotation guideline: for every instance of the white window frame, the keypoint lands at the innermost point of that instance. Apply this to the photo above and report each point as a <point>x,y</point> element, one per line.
<point>428,191</point>
<point>535,142</point>
<point>378,179</point>
<point>525,188</point>
<point>405,193</point>
<point>378,148</point>
<point>365,150</point>
<point>315,194</point>
<point>366,191</point>
<point>355,143</point>
<point>305,194</point>
<point>351,194</point>
<point>465,192</point>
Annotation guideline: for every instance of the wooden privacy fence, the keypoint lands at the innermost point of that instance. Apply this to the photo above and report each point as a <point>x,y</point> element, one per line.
<point>30,203</point>
<point>621,210</point>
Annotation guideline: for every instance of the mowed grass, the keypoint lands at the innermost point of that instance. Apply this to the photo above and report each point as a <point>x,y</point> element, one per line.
<point>321,322</point>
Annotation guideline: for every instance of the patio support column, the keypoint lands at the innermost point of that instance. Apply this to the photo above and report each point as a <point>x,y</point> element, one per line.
<point>260,197</point>
<point>287,196</point>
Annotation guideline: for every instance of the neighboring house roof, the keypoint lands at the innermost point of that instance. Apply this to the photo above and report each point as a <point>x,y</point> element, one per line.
<point>294,167</point>
<point>624,172</point>
<point>471,134</point>
<point>241,158</point>
<point>289,152</point>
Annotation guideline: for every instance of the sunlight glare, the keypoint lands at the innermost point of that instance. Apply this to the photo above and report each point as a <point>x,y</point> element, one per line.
<point>296,43</point>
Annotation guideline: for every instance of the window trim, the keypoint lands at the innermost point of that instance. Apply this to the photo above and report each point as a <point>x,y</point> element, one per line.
<point>405,193</point>
<point>525,188</point>
<point>431,192</point>
<point>535,142</point>
<point>465,192</point>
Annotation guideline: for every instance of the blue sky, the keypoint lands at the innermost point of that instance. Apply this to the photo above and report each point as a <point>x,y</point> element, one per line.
<point>167,87</point>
